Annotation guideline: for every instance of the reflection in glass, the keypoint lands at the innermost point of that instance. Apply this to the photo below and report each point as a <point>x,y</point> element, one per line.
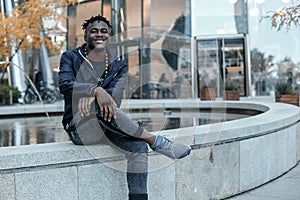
<point>149,35</point>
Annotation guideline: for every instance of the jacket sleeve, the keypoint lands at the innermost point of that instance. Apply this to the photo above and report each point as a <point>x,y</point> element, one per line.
<point>69,83</point>
<point>66,74</point>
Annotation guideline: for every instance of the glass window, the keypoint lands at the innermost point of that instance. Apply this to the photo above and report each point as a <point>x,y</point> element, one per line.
<point>76,15</point>
<point>221,59</point>
<point>234,60</point>
<point>273,53</point>
<point>159,52</point>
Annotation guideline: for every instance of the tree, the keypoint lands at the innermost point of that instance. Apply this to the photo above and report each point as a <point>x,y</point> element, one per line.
<point>286,69</point>
<point>285,16</point>
<point>22,28</point>
<point>259,61</point>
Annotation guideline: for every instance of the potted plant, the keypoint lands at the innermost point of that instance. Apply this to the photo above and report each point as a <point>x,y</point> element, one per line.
<point>284,93</point>
<point>231,91</point>
<point>207,91</point>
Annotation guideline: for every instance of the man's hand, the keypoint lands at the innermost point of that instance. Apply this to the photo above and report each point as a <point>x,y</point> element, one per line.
<point>84,105</point>
<point>106,103</point>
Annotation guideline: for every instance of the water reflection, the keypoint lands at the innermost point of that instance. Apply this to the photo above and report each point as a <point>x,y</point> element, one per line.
<point>22,131</point>
<point>38,130</point>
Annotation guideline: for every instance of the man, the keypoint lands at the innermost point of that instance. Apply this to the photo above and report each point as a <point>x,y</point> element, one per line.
<point>91,75</point>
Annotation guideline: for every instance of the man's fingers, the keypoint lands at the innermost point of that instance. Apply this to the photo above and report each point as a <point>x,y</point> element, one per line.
<point>106,112</point>
<point>80,106</point>
<point>106,104</point>
<point>111,112</point>
<point>84,105</point>
<point>115,110</point>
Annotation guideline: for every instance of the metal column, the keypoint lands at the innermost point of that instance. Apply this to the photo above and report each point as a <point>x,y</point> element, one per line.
<point>145,52</point>
<point>194,68</point>
<point>17,77</point>
<point>45,65</point>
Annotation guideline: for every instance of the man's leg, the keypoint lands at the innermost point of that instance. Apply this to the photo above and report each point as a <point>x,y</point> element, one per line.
<point>136,152</point>
<point>158,143</point>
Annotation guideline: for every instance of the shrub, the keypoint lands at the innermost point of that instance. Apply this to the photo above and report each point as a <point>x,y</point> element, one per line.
<point>231,85</point>
<point>283,88</point>
<point>5,94</point>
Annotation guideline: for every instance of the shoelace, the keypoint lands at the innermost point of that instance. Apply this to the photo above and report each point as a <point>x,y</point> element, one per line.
<point>166,143</point>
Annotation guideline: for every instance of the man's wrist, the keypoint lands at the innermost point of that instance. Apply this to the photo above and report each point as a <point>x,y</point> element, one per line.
<point>92,91</point>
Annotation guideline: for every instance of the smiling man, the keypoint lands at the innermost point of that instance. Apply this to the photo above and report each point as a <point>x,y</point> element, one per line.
<point>92,79</point>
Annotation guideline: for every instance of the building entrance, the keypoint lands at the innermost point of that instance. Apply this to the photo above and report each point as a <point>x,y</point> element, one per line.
<point>221,60</point>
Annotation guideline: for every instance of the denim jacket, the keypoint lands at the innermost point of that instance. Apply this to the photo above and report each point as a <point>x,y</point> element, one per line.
<point>74,87</point>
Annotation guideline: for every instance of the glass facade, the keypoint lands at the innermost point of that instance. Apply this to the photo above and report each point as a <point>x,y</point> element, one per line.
<point>232,42</point>
<point>275,54</point>
<point>218,17</point>
<point>221,31</point>
<point>153,44</point>
<point>144,37</point>
<point>76,15</point>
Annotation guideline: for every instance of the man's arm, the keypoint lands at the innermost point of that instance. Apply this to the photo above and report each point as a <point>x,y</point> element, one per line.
<point>69,79</point>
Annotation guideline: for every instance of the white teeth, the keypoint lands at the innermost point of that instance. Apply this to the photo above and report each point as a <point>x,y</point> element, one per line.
<point>99,41</point>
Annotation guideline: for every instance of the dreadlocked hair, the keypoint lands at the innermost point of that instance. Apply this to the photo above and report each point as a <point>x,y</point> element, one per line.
<point>98,18</point>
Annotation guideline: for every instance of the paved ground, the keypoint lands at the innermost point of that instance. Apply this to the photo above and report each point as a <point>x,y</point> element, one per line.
<point>286,187</point>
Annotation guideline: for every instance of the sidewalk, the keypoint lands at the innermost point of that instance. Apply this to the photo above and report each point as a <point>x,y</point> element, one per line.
<point>286,187</point>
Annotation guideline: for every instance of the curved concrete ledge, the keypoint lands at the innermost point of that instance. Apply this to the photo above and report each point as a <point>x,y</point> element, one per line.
<point>227,158</point>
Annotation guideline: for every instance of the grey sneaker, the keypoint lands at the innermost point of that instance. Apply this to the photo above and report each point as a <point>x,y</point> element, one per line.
<point>168,148</point>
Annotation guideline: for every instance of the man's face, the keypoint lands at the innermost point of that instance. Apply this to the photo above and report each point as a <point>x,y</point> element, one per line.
<point>97,35</point>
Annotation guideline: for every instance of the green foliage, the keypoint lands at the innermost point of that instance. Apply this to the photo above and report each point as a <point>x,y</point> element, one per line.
<point>283,88</point>
<point>259,61</point>
<point>5,94</point>
<point>209,84</point>
<point>231,85</point>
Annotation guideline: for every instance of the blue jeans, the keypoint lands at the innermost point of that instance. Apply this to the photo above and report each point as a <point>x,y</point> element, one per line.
<point>135,150</point>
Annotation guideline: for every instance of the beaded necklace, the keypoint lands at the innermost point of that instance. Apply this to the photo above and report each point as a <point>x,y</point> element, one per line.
<point>106,70</point>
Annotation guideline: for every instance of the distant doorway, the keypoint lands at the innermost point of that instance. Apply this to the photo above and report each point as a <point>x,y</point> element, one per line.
<point>221,59</point>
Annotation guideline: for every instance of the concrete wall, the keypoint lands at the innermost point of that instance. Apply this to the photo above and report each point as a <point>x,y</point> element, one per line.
<point>227,158</point>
